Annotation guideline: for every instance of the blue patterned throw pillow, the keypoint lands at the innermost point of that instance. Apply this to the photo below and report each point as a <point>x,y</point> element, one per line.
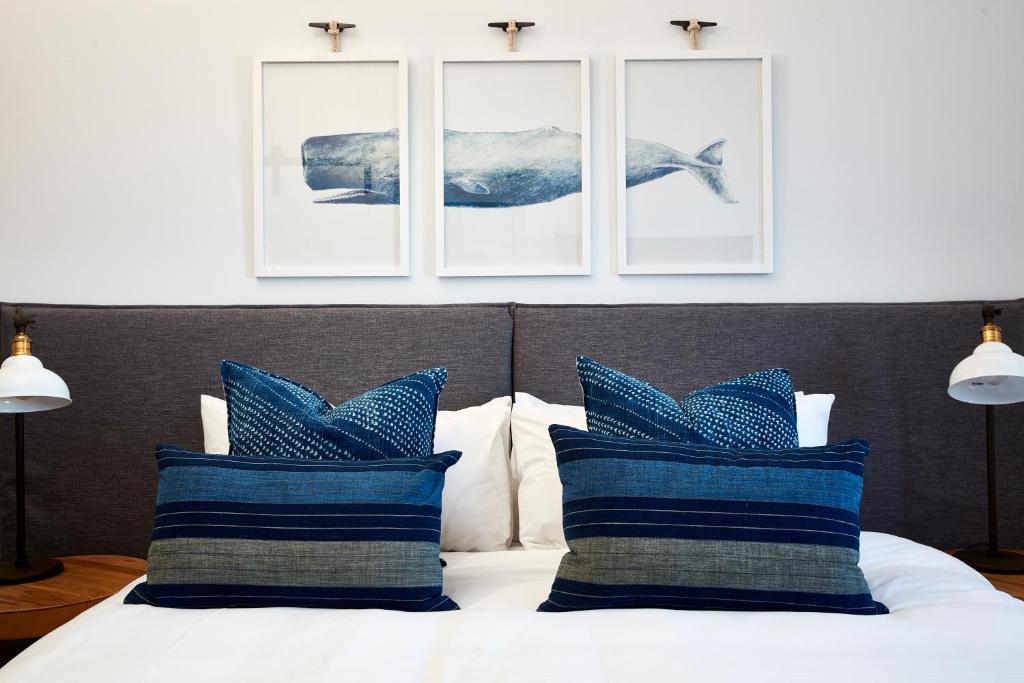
<point>238,531</point>
<point>690,526</point>
<point>753,411</point>
<point>274,416</point>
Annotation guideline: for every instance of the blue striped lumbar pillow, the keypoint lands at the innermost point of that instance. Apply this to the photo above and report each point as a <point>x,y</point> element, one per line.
<point>687,526</point>
<point>273,416</point>
<point>237,531</point>
<point>753,411</point>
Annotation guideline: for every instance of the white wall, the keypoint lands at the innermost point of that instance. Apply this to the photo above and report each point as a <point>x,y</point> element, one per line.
<point>125,157</point>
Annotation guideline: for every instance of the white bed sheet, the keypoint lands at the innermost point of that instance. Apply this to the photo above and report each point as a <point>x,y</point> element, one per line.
<point>947,623</point>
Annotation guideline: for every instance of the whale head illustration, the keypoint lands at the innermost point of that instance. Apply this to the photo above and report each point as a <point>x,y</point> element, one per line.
<point>353,168</point>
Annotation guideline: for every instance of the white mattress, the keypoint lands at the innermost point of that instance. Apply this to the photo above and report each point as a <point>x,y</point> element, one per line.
<point>947,623</point>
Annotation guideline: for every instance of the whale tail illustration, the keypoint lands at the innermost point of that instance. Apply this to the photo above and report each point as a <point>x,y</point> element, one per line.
<point>710,171</point>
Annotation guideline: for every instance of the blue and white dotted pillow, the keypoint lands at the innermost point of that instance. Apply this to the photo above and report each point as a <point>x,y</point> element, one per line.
<point>753,411</point>
<point>271,416</point>
<point>618,404</point>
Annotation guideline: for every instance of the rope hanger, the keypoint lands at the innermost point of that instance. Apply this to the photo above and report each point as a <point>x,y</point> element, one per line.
<point>333,29</point>
<point>511,29</point>
<point>693,27</point>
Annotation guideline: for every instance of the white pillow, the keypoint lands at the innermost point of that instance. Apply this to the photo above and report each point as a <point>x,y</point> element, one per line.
<point>536,473</point>
<point>215,424</point>
<point>476,504</point>
<point>812,413</point>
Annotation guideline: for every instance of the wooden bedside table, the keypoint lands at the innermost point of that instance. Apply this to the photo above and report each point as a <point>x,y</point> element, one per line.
<point>1008,583</point>
<point>31,610</point>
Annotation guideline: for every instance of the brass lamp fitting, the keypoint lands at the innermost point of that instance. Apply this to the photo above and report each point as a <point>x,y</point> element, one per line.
<point>21,345</point>
<point>991,332</point>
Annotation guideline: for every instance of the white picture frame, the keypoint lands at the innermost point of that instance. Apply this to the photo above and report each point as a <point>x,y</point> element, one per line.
<point>375,239</point>
<point>462,89</point>
<point>741,71</point>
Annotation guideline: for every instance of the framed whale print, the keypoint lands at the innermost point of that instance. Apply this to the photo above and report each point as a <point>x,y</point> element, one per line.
<point>512,165</point>
<point>330,166</point>
<point>694,163</point>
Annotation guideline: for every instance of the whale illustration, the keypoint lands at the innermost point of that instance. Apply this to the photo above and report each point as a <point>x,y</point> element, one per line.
<point>491,169</point>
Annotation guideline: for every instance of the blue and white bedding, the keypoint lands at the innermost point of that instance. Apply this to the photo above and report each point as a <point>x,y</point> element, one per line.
<point>946,623</point>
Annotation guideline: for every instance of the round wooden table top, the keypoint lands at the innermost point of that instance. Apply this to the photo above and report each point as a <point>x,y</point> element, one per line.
<point>31,610</point>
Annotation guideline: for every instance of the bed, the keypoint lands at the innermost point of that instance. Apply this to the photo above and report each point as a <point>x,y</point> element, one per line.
<point>946,623</point>
<point>93,485</point>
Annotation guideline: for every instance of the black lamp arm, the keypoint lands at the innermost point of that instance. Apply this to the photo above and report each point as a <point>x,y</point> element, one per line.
<point>23,320</point>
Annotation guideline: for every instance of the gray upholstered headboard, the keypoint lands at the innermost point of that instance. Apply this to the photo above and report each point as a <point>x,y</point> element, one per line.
<point>136,374</point>
<point>887,364</point>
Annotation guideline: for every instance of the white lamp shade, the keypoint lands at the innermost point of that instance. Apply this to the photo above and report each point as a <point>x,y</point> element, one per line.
<point>992,375</point>
<point>27,387</point>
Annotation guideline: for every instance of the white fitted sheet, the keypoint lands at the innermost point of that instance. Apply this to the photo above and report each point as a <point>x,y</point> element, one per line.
<point>946,623</point>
